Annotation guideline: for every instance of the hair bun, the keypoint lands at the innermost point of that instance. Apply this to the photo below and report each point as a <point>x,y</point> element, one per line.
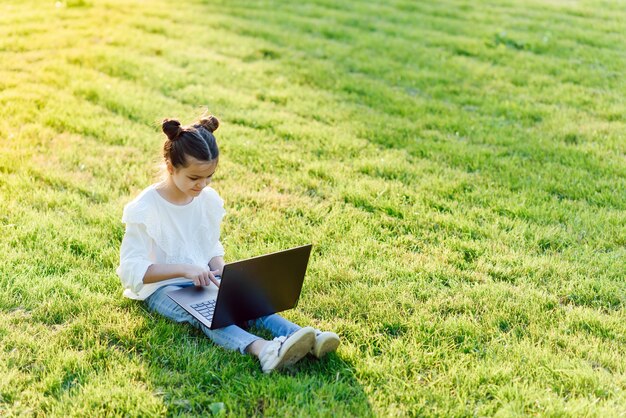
<point>210,123</point>
<point>172,129</point>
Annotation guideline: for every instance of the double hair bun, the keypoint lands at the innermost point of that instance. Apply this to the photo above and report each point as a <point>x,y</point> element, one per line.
<point>173,129</point>
<point>210,123</point>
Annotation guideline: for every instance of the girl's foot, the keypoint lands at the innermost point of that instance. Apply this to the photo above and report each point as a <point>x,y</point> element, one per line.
<point>325,342</point>
<point>285,351</point>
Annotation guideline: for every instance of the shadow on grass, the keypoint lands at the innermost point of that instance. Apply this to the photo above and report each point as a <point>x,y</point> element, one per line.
<point>195,377</point>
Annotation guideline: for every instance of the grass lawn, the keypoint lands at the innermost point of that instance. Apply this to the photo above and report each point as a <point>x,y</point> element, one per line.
<point>459,166</point>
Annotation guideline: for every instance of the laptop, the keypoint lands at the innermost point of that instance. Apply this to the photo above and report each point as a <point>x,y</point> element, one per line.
<point>249,289</point>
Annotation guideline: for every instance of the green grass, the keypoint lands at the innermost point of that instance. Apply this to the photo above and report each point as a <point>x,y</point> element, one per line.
<point>460,168</point>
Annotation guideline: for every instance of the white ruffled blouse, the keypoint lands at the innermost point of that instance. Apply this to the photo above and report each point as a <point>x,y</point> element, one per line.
<point>160,232</point>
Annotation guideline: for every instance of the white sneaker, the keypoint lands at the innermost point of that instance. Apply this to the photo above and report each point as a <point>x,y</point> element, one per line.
<point>325,342</point>
<point>285,351</point>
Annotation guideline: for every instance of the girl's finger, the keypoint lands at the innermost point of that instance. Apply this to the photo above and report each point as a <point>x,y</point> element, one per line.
<point>214,280</point>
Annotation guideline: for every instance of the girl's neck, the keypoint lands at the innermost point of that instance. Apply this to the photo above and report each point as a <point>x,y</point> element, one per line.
<point>168,191</point>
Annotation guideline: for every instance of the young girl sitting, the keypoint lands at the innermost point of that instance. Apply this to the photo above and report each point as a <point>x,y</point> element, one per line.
<point>172,241</point>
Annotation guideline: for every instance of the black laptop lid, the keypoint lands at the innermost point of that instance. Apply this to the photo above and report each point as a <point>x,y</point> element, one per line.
<point>260,286</point>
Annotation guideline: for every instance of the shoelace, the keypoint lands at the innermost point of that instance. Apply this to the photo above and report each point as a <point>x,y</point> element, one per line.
<point>280,341</point>
<point>274,349</point>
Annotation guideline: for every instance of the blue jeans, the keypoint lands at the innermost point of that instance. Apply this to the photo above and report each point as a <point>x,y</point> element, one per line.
<point>231,337</point>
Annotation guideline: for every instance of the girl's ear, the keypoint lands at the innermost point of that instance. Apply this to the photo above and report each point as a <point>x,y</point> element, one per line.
<point>170,167</point>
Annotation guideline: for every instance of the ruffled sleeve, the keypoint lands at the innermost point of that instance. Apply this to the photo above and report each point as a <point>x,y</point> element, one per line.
<point>135,257</point>
<point>144,211</point>
<point>136,252</point>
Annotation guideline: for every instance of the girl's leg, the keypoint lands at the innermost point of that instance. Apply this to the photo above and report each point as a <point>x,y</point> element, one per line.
<point>276,324</point>
<point>231,337</point>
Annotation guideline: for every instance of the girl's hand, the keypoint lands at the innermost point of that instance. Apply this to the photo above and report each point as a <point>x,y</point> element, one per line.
<point>200,275</point>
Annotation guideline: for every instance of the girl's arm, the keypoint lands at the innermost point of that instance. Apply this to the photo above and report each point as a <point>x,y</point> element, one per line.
<point>160,272</point>
<point>201,276</point>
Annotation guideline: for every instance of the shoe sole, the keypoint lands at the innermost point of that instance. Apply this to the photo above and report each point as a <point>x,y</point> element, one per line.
<point>327,346</point>
<point>294,348</point>
<point>299,348</point>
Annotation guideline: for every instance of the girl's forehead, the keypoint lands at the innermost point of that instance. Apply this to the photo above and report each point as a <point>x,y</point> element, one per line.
<point>198,167</point>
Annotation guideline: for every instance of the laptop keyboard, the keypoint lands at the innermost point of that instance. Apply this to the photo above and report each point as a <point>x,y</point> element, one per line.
<point>205,309</point>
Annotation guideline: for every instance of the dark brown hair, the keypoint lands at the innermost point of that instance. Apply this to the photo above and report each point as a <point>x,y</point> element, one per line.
<point>195,141</point>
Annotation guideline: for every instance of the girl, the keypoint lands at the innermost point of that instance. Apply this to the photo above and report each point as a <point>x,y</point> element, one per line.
<point>172,241</point>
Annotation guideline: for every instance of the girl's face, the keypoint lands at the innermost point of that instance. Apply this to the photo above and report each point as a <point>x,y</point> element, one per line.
<point>192,179</point>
